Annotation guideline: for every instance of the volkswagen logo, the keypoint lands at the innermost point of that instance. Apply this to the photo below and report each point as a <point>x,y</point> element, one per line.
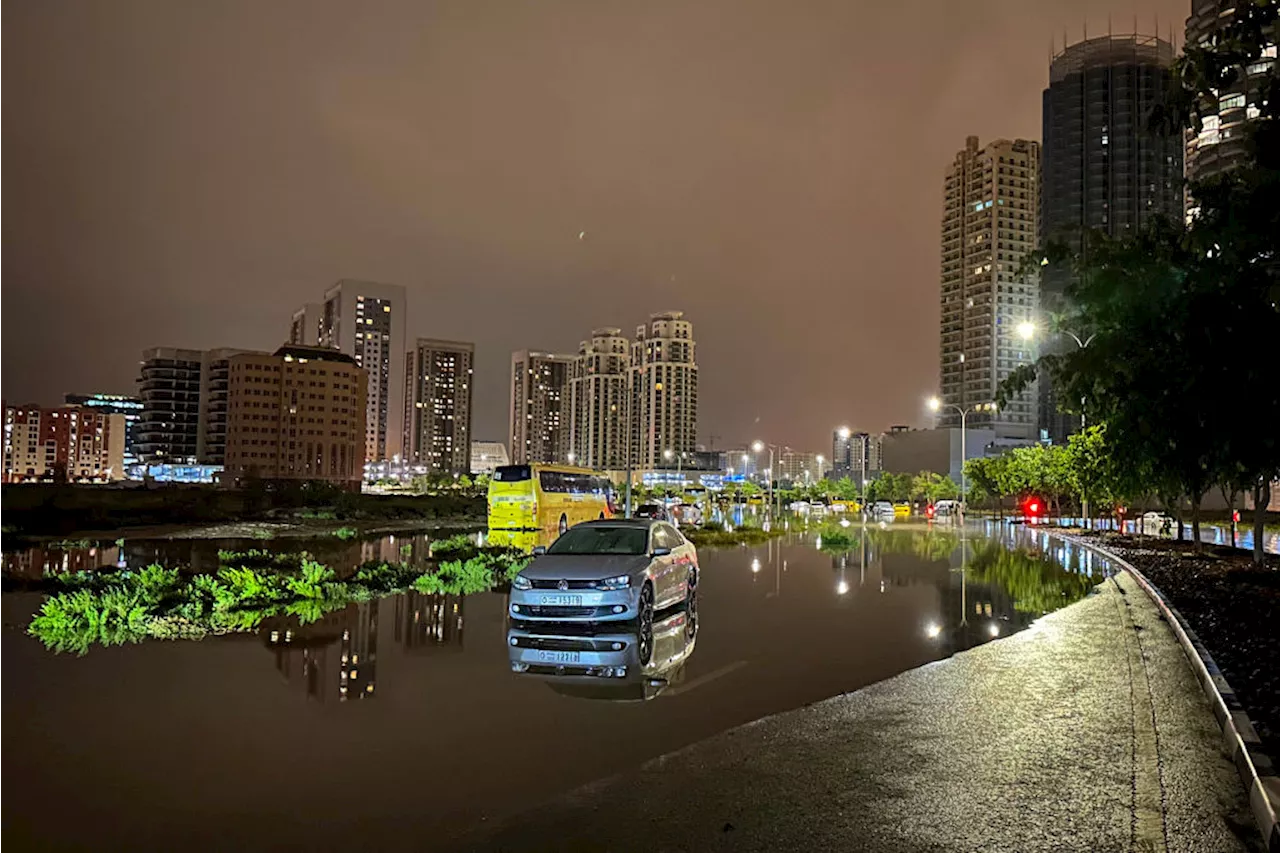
<point>562,585</point>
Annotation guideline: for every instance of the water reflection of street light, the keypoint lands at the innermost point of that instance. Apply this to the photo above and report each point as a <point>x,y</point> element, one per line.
<point>755,565</point>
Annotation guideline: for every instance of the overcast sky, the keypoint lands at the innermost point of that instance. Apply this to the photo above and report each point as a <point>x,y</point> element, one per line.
<point>187,172</point>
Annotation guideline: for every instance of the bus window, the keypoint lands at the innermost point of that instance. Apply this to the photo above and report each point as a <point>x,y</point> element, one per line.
<point>512,473</point>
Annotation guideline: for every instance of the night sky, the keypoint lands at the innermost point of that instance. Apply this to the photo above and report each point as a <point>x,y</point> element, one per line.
<point>186,173</point>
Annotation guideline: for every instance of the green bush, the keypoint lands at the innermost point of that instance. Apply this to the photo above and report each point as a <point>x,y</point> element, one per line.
<point>346,533</point>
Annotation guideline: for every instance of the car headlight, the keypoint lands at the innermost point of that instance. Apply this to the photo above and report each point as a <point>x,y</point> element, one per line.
<point>521,582</point>
<point>620,582</point>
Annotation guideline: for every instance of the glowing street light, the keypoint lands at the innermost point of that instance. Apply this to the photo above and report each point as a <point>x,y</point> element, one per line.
<point>933,630</point>
<point>1026,330</point>
<point>935,405</point>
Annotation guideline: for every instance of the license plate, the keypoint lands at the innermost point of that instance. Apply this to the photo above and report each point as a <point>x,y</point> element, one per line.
<point>560,657</point>
<point>554,600</point>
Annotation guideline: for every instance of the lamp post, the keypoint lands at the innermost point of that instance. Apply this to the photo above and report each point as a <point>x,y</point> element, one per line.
<point>1027,331</point>
<point>757,446</point>
<point>934,405</point>
<point>668,455</point>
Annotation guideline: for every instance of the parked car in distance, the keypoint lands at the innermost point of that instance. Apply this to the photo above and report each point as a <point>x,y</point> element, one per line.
<point>654,511</point>
<point>687,514</point>
<point>946,507</point>
<point>902,509</point>
<point>882,508</point>
<point>605,571</point>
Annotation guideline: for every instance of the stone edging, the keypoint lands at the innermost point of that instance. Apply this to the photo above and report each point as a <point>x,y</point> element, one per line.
<point>1257,770</point>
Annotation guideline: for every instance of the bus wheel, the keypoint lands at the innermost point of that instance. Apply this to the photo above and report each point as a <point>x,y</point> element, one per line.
<point>564,524</point>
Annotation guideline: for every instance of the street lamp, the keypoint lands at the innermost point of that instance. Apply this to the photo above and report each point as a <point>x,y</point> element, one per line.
<point>668,454</point>
<point>934,405</point>
<point>1027,331</point>
<point>757,446</point>
<point>572,456</point>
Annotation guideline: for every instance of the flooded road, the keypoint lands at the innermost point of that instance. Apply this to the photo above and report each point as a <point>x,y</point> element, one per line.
<point>400,722</point>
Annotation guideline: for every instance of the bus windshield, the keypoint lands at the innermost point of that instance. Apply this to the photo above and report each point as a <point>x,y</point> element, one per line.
<point>512,473</point>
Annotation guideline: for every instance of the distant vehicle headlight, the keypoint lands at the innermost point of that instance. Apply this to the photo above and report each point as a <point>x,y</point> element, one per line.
<point>620,582</point>
<point>521,582</point>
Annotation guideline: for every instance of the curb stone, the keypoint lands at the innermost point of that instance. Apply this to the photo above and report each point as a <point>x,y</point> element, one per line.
<point>1257,770</point>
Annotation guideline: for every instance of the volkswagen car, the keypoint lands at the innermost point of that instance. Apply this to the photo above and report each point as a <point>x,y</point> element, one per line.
<point>604,571</point>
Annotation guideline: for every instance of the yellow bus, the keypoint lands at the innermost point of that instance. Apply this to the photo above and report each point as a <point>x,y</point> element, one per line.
<point>535,503</point>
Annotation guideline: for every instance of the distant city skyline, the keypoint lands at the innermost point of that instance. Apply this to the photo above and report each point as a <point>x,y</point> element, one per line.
<point>768,181</point>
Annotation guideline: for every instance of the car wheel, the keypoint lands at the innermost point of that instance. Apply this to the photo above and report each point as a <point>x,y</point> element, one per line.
<point>645,624</point>
<point>564,524</point>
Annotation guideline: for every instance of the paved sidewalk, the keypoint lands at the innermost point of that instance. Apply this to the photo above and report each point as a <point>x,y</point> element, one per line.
<point>1086,732</point>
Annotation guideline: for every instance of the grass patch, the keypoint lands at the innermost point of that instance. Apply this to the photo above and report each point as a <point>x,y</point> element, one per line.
<point>836,538</point>
<point>346,533</point>
<point>107,608</point>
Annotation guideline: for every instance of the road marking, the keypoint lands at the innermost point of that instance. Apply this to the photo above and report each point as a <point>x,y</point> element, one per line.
<point>701,680</point>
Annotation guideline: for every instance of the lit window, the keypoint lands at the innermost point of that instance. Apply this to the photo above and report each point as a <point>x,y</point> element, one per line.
<point>1231,102</point>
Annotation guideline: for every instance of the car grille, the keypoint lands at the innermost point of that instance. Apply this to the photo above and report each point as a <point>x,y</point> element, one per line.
<point>562,612</point>
<point>549,584</point>
<point>567,644</point>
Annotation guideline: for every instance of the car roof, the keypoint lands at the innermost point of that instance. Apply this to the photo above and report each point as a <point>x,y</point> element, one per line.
<point>620,522</point>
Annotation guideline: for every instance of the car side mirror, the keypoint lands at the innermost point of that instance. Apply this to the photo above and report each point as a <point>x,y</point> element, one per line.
<point>539,550</point>
<point>660,552</point>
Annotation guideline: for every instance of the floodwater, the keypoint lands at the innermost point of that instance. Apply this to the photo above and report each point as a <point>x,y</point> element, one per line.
<point>401,723</point>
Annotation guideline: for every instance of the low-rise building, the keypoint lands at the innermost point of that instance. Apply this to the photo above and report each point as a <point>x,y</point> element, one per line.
<point>73,444</point>
<point>297,414</point>
<point>115,404</point>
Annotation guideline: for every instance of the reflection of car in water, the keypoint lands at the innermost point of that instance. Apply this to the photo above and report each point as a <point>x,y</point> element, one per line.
<point>602,571</point>
<point>626,662</point>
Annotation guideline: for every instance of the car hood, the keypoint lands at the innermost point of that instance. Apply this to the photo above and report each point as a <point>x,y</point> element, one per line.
<point>584,567</point>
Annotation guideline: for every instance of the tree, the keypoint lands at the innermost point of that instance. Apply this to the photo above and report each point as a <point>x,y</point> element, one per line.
<point>931,486</point>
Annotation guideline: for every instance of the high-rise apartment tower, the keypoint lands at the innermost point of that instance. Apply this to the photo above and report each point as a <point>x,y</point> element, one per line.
<point>989,224</point>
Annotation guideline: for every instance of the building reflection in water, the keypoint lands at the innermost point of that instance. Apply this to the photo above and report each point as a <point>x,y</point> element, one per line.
<point>336,655</point>
<point>429,621</point>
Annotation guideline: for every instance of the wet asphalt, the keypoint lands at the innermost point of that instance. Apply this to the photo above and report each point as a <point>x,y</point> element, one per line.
<point>1085,732</point>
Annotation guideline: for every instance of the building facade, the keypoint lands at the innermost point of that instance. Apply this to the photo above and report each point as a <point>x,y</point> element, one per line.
<point>183,420</point>
<point>304,327</point>
<point>599,401</point>
<point>62,444</point>
<point>366,320</point>
<point>437,415</point>
<point>664,389</point>
<point>856,455</point>
<point>296,414</point>
<point>1221,143</point>
<point>989,225</point>
<point>796,468</point>
<point>488,456</point>
<point>540,400</point>
<point>1105,168</point>
<point>115,404</point>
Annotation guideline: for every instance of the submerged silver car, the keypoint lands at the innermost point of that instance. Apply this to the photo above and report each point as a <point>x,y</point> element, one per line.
<point>601,571</point>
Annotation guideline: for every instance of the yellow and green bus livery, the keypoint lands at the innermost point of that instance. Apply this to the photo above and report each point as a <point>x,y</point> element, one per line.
<point>546,498</point>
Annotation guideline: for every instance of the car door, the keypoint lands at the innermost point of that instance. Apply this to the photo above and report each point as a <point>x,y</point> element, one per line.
<point>662,566</point>
<point>685,560</point>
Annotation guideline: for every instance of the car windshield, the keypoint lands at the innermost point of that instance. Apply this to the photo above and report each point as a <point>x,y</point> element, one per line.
<point>601,539</point>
